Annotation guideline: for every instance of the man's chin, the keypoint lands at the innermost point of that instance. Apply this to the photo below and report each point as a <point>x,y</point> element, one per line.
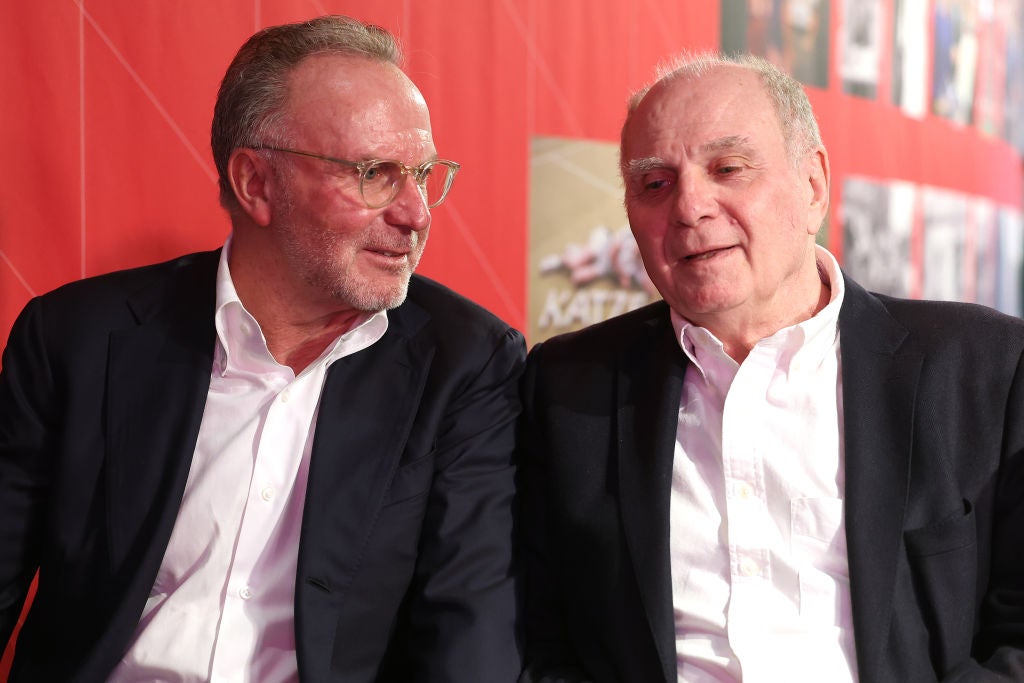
<point>373,297</point>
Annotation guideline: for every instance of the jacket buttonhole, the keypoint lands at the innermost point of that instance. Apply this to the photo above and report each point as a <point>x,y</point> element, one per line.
<point>319,583</point>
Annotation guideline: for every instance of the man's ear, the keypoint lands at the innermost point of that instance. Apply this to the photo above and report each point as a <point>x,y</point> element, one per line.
<point>248,174</point>
<point>819,181</point>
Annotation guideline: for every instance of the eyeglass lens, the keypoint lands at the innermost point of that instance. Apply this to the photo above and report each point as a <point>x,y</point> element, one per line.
<point>382,181</point>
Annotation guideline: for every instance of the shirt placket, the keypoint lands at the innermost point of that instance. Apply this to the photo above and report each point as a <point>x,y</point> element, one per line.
<point>748,517</point>
<point>274,470</point>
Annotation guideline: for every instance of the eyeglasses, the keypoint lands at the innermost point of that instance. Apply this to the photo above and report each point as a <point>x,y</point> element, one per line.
<point>381,179</point>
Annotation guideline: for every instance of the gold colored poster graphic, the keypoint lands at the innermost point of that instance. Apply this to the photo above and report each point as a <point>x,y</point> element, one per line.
<point>584,263</point>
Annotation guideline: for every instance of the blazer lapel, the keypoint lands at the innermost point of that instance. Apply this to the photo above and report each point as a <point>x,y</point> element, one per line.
<point>366,412</point>
<point>649,387</point>
<point>158,375</point>
<point>879,385</point>
<point>158,378</point>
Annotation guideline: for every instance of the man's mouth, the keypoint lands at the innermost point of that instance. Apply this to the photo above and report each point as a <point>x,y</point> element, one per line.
<point>386,252</point>
<point>709,253</point>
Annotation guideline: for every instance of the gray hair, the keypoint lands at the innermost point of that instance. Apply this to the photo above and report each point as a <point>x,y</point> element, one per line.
<point>792,108</point>
<point>255,86</point>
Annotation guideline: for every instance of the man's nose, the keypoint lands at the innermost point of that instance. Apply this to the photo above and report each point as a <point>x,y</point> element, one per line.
<point>409,207</point>
<point>695,198</point>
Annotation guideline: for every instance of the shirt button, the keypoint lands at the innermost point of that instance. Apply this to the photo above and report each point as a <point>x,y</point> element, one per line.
<point>267,493</point>
<point>285,396</point>
<point>244,592</point>
<point>746,491</point>
<point>748,567</point>
<point>245,328</point>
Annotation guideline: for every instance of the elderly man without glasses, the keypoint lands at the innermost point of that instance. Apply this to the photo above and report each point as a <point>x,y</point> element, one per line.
<point>772,475</point>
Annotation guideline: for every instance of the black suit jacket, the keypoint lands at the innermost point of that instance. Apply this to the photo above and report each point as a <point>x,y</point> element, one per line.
<point>933,395</point>
<point>404,568</point>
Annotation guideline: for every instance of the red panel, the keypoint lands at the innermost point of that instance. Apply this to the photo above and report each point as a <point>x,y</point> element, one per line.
<point>122,174</point>
<point>39,195</point>
<point>590,57</point>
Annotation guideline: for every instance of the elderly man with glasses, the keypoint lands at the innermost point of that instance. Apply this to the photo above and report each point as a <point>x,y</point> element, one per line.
<point>286,459</point>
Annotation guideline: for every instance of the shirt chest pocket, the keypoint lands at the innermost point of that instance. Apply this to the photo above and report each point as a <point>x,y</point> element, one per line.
<point>818,542</point>
<point>411,480</point>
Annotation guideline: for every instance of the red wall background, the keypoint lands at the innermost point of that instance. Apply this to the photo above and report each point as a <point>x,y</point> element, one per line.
<point>104,124</point>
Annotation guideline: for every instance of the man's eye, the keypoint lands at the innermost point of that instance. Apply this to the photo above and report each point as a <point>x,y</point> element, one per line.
<point>653,183</point>
<point>726,170</point>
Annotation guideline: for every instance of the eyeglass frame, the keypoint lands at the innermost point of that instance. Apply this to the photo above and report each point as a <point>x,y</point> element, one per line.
<point>362,166</point>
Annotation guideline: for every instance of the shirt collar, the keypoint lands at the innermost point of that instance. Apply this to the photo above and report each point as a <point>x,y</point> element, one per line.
<point>241,345</point>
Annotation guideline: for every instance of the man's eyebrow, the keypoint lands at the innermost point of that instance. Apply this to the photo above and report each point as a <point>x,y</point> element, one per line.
<point>728,143</point>
<point>641,166</point>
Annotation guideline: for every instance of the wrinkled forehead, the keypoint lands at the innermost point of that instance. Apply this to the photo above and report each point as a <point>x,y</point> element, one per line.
<point>688,108</point>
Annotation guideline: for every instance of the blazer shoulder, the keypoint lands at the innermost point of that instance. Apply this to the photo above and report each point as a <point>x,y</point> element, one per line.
<point>431,304</point>
<point>184,288</point>
<point>945,322</point>
<point>611,337</point>
<point>930,326</point>
<point>952,314</point>
<point>117,285</point>
<point>461,335</point>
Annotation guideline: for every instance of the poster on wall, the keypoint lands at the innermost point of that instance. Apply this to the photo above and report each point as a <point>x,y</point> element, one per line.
<point>860,47</point>
<point>1013,97</point>
<point>909,57</point>
<point>984,236</point>
<point>945,215</point>
<point>792,34</point>
<point>584,265</point>
<point>954,62</point>
<point>990,77</point>
<point>878,219</point>
<point>1011,261</point>
<point>913,241</point>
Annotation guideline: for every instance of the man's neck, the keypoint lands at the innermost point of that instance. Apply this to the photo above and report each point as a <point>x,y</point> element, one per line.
<point>298,345</point>
<point>740,331</point>
<point>297,323</point>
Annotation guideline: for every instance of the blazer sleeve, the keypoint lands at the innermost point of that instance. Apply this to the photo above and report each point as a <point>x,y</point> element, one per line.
<point>999,643</point>
<point>549,654</point>
<point>28,432</point>
<point>462,615</point>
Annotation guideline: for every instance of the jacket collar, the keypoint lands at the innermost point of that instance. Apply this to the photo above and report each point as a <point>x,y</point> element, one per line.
<point>649,385</point>
<point>880,376</point>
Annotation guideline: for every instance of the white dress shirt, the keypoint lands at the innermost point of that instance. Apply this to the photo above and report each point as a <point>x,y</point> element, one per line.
<point>222,608</point>
<point>760,581</point>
